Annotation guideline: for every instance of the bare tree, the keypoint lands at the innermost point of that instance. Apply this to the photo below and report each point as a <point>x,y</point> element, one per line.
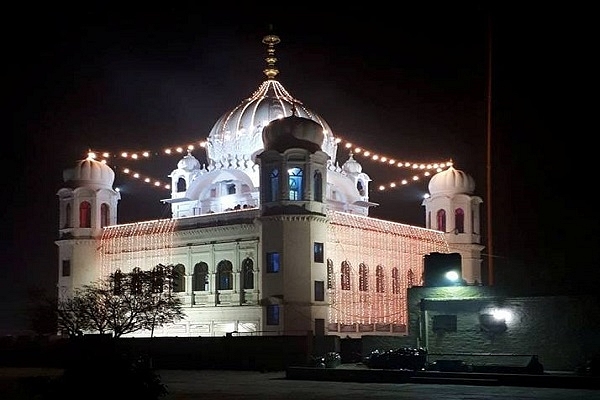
<point>123,303</point>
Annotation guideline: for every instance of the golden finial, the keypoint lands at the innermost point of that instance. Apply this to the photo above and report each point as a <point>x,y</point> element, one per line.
<point>271,40</point>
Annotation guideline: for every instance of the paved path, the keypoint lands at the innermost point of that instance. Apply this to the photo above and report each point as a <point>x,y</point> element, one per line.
<point>227,385</point>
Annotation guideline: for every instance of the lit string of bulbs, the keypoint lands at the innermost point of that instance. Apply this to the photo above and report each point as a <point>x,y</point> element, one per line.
<point>423,170</point>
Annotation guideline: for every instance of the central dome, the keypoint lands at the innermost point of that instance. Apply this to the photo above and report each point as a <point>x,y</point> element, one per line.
<point>236,137</point>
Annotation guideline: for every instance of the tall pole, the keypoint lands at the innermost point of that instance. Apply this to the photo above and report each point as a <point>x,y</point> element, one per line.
<point>490,248</point>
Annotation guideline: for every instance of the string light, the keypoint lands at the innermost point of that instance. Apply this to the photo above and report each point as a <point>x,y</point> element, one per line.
<point>384,259</point>
<point>426,168</point>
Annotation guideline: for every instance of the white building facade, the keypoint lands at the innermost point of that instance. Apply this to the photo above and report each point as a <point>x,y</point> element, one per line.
<point>272,237</point>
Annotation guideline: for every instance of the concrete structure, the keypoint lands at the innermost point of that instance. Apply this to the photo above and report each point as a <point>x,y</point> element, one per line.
<point>494,325</point>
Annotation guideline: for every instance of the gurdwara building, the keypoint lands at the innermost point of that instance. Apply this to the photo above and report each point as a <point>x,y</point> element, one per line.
<point>272,236</point>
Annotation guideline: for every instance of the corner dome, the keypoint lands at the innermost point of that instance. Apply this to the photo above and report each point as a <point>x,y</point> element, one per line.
<point>188,162</point>
<point>451,181</point>
<point>90,172</point>
<point>293,132</point>
<point>351,166</point>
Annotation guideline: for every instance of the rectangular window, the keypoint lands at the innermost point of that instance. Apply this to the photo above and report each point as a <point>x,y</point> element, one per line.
<point>66,268</point>
<point>318,250</point>
<point>319,291</point>
<point>273,262</point>
<point>445,323</point>
<point>273,314</point>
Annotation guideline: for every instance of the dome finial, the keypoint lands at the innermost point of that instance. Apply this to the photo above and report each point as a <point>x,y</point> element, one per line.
<point>271,40</point>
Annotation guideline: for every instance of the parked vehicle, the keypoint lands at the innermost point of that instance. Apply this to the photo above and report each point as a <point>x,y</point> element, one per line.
<point>401,358</point>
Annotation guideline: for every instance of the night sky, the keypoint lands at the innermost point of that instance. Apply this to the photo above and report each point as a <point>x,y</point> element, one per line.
<point>408,82</point>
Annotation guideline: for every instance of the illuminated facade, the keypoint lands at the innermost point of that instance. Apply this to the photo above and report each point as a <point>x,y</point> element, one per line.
<point>272,236</point>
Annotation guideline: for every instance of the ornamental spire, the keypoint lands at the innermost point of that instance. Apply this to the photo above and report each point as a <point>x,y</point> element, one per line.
<point>271,40</point>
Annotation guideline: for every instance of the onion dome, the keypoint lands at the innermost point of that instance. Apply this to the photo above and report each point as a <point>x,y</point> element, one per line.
<point>188,162</point>
<point>293,132</point>
<point>351,166</point>
<point>451,181</point>
<point>90,173</point>
<point>237,134</point>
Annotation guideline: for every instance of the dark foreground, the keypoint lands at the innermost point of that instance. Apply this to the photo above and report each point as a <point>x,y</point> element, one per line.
<point>346,383</point>
<point>275,385</point>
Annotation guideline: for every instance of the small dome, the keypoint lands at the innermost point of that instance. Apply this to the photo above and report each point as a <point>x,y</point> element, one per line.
<point>188,162</point>
<point>351,166</point>
<point>293,132</point>
<point>451,181</point>
<point>90,172</point>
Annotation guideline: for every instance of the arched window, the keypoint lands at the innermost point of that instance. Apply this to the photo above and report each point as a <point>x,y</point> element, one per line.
<point>363,277</point>
<point>136,281</point>
<point>104,215</point>
<point>330,277</point>
<point>179,278</point>
<point>68,216</point>
<point>345,280</point>
<point>117,282</point>
<point>295,183</point>
<point>225,275</point>
<point>395,281</point>
<point>181,185</point>
<point>379,279</point>
<point>200,277</point>
<point>410,278</point>
<point>85,215</point>
<point>273,187</point>
<point>318,182</point>
<point>360,187</point>
<point>248,274</point>
<point>459,218</point>
<point>441,220</point>
<point>158,274</point>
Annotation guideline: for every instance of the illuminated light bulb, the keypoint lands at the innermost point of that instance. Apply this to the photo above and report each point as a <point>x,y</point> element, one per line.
<point>427,173</point>
<point>105,155</point>
<point>415,166</point>
<point>375,157</point>
<point>415,178</point>
<point>393,184</point>
<point>147,180</point>
<point>357,150</point>
<point>136,175</point>
<point>367,153</point>
<point>383,159</point>
<point>348,145</point>
<point>179,150</point>
<point>426,196</point>
<point>435,165</point>
<point>168,151</point>
<point>146,154</point>
<point>422,166</point>
<point>202,144</point>
<point>134,156</point>
<point>381,187</point>
<point>126,170</point>
<point>190,147</point>
<point>157,183</point>
<point>167,186</point>
<point>404,181</point>
<point>118,189</point>
<point>124,154</point>
<point>392,162</point>
<point>338,140</point>
<point>407,164</point>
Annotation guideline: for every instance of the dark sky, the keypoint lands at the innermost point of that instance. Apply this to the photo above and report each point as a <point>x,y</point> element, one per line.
<point>407,82</point>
